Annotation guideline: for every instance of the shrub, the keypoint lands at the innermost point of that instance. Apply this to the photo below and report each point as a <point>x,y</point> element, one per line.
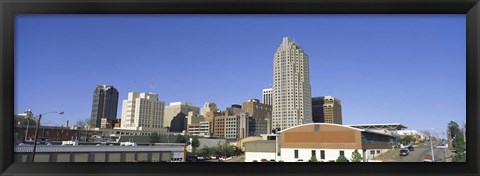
<point>342,158</point>
<point>356,157</point>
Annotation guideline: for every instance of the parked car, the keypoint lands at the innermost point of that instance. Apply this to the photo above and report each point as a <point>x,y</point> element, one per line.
<point>254,161</point>
<point>272,160</point>
<point>300,160</point>
<point>404,152</point>
<point>264,160</point>
<point>213,157</point>
<point>427,158</point>
<point>410,148</point>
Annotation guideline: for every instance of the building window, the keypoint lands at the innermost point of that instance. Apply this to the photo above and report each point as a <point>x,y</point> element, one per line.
<point>372,152</point>
<point>322,154</point>
<point>314,153</point>
<point>378,151</point>
<point>296,153</point>
<point>342,153</point>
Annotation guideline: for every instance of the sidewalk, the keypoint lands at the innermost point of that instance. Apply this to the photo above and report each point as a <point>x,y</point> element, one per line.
<point>450,155</point>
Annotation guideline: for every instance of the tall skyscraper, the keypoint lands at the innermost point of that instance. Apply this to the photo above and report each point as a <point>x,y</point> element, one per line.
<point>267,96</point>
<point>105,103</point>
<point>292,100</point>
<point>327,109</point>
<point>178,110</point>
<point>142,111</point>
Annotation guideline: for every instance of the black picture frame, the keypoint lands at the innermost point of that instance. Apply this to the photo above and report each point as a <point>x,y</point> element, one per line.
<point>9,8</point>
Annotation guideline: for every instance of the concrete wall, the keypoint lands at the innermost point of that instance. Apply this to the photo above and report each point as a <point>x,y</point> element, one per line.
<point>96,157</point>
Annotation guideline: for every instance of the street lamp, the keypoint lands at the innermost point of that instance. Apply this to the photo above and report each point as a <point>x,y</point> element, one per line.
<point>431,146</point>
<point>445,146</point>
<point>29,114</point>
<point>36,132</point>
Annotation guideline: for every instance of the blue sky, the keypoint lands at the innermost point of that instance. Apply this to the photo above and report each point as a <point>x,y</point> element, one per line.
<point>407,69</point>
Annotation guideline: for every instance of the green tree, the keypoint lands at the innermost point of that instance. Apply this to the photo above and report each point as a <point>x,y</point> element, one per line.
<point>406,139</point>
<point>458,143</point>
<point>195,144</point>
<point>459,158</point>
<point>181,139</point>
<point>155,138</point>
<point>342,158</point>
<point>313,159</point>
<point>453,129</point>
<point>24,120</point>
<point>356,157</point>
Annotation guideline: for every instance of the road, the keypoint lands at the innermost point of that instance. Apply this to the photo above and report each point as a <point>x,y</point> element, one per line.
<point>420,151</point>
<point>240,158</point>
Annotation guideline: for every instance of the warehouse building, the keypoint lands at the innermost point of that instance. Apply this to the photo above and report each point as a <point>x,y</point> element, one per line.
<point>89,153</point>
<point>324,141</point>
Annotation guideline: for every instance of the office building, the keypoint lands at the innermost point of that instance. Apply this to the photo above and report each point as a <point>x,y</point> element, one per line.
<point>260,117</point>
<point>292,100</point>
<point>326,109</point>
<point>209,107</point>
<point>104,105</point>
<point>142,111</point>
<point>317,110</point>
<point>234,109</point>
<point>178,109</point>
<point>267,96</point>
<point>209,117</point>
<point>231,126</point>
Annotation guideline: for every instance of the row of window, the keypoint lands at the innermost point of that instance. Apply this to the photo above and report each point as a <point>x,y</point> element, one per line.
<point>322,153</point>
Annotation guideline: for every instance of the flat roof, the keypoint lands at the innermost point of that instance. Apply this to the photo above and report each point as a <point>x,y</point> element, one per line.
<point>261,141</point>
<point>90,148</point>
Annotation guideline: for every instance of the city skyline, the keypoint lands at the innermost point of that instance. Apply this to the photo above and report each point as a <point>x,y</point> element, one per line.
<point>352,88</point>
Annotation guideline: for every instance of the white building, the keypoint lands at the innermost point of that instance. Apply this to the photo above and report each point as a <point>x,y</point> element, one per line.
<point>292,100</point>
<point>324,141</point>
<point>267,96</point>
<point>142,111</point>
<point>178,107</point>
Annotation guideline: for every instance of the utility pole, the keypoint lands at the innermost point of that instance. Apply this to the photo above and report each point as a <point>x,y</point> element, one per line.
<point>431,147</point>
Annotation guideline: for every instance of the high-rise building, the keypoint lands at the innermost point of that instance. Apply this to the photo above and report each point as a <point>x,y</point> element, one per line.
<point>209,117</point>
<point>231,126</point>
<point>142,111</point>
<point>209,107</point>
<point>260,117</point>
<point>327,109</point>
<point>105,103</point>
<point>291,92</point>
<point>317,110</point>
<point>175,109</point>
<point>267,96</point>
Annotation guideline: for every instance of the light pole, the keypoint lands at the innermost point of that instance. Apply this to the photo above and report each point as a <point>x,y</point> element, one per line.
<point>431,146</point>
<point>36,132</point>
<point>445,146</point>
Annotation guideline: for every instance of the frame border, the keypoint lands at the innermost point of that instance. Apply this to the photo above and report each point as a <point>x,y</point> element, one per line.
<point>9,8</point>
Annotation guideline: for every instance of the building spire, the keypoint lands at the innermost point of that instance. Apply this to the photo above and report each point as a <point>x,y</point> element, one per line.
<point>285,42</point>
